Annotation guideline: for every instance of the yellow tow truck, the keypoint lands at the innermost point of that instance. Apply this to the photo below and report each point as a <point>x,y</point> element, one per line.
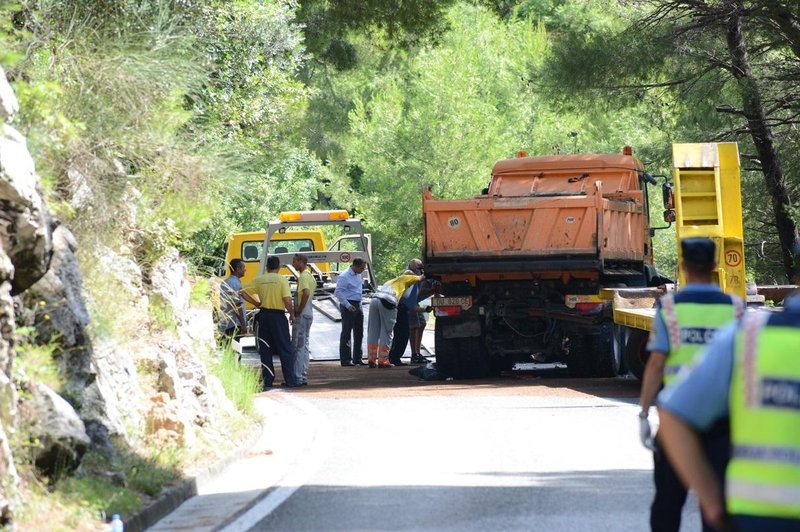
<point>299,232</point>
<point>304,232</point>
<point>705,200</point>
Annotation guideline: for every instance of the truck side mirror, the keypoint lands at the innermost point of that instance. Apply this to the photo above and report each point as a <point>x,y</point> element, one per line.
<point>668,196</point>
<point>669,216</point>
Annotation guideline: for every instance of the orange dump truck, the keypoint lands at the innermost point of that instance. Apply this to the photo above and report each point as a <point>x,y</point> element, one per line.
<point>522,264</point>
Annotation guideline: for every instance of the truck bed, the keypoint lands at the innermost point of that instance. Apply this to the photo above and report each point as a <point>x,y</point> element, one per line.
<point>533,232</point>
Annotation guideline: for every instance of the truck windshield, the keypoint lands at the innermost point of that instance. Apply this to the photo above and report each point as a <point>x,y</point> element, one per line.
<point>252,249</point>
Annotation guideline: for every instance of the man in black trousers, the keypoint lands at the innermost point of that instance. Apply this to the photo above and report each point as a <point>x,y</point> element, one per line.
<point>274,297</point>
<point>349,289</point>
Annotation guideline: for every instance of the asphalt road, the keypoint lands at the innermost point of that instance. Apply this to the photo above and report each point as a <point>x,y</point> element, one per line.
<point>526,451</point>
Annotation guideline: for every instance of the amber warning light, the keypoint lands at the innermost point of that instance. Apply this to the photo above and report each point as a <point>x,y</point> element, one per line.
<point>312,216</point>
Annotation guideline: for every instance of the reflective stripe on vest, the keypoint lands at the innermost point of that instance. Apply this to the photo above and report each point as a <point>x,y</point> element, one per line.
<point>690,327</point>
<point>763,476</point>
<point>753,496</point>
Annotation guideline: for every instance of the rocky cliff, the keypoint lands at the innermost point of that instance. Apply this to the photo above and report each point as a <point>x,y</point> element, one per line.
<point>111,391</point>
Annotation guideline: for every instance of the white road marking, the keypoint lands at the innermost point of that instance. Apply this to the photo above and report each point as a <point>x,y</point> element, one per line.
<point>309,461</point>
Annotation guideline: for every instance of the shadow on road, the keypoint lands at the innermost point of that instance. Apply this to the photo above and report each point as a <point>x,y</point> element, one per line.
<point>615,500</point>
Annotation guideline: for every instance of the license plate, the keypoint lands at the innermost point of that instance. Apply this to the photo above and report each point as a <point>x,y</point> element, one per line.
<point>464,302</point>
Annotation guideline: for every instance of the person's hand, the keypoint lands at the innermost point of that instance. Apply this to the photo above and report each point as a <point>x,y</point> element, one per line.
<point>716,516</point>
<point>646,433</point>
<point>291,319</point>
<point>351,308</point>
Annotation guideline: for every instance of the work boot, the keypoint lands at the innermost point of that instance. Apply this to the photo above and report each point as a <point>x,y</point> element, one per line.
<point>372,355</point>
<point>417,358</point>
<point>383,354</point>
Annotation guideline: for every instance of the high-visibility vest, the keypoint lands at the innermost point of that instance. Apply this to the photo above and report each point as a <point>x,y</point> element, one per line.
<point>692,319</point>
<point>763,475</point>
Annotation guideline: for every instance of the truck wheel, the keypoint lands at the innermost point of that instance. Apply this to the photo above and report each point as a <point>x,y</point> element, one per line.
<point>498,365</point>
<point>474,359</point>
<point>607,358</point>
<point>636,352</point>
<point>460,358</point>
<point>446,350</point>
<point>579,357</point>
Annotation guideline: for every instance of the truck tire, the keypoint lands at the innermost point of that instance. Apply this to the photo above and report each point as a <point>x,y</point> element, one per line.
<point>636,353</point>
<point>460,358</point>
<point>499,364</point>
<point>579,357</point>
<point>607,358</point>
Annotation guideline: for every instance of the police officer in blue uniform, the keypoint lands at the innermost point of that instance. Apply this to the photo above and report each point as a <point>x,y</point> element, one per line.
<point>684,323</point>
<point>751,373</point>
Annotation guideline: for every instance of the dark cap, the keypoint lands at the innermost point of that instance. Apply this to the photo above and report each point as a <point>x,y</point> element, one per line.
<point>698,250</point>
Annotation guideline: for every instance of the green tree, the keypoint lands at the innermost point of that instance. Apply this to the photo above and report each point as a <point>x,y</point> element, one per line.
<point>442,116</point>
<point>439,118</point>
<point>724,73</point>
<point>330,27</point>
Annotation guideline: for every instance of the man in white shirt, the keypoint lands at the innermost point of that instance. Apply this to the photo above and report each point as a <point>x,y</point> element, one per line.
<point>349,288</point>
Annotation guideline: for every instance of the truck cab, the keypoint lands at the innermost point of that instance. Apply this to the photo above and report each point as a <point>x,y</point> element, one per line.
<point>249,246</point>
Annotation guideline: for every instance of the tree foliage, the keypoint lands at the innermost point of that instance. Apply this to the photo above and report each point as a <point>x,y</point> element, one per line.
<point>331,27</point>
<point>440,118</point>
<point>725,73</point>
<point>157,104</point>
<point>267,105</point>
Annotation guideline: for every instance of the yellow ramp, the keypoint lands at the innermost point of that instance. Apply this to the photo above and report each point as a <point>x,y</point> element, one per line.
<point>708,203</point>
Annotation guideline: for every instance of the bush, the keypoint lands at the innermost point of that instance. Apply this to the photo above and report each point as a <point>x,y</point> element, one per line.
<point>240,382</point>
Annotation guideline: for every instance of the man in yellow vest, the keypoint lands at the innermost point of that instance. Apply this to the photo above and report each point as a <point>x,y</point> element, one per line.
<point>684,323</point>
<point>382,315</point>
<point>303,316</point>
<point>751,372</point>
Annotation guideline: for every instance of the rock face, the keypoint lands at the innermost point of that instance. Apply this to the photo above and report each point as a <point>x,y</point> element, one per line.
<point>165,422</point>
<point>24,229</point>
<point>8,101</point>
<point>61,433</point>
<point>101,378</point>
<point>24,257</point>
<point>60,312</point>
<point>168,279</point>
<point>42,286</point>
<point>8,396</point>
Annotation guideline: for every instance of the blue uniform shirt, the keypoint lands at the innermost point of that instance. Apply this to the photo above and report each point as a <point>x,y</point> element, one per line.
<point>659,337</point>
<point>410,297</point>
<point>701,397</point>
<point>349,287</point>
<point>230,303</point>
